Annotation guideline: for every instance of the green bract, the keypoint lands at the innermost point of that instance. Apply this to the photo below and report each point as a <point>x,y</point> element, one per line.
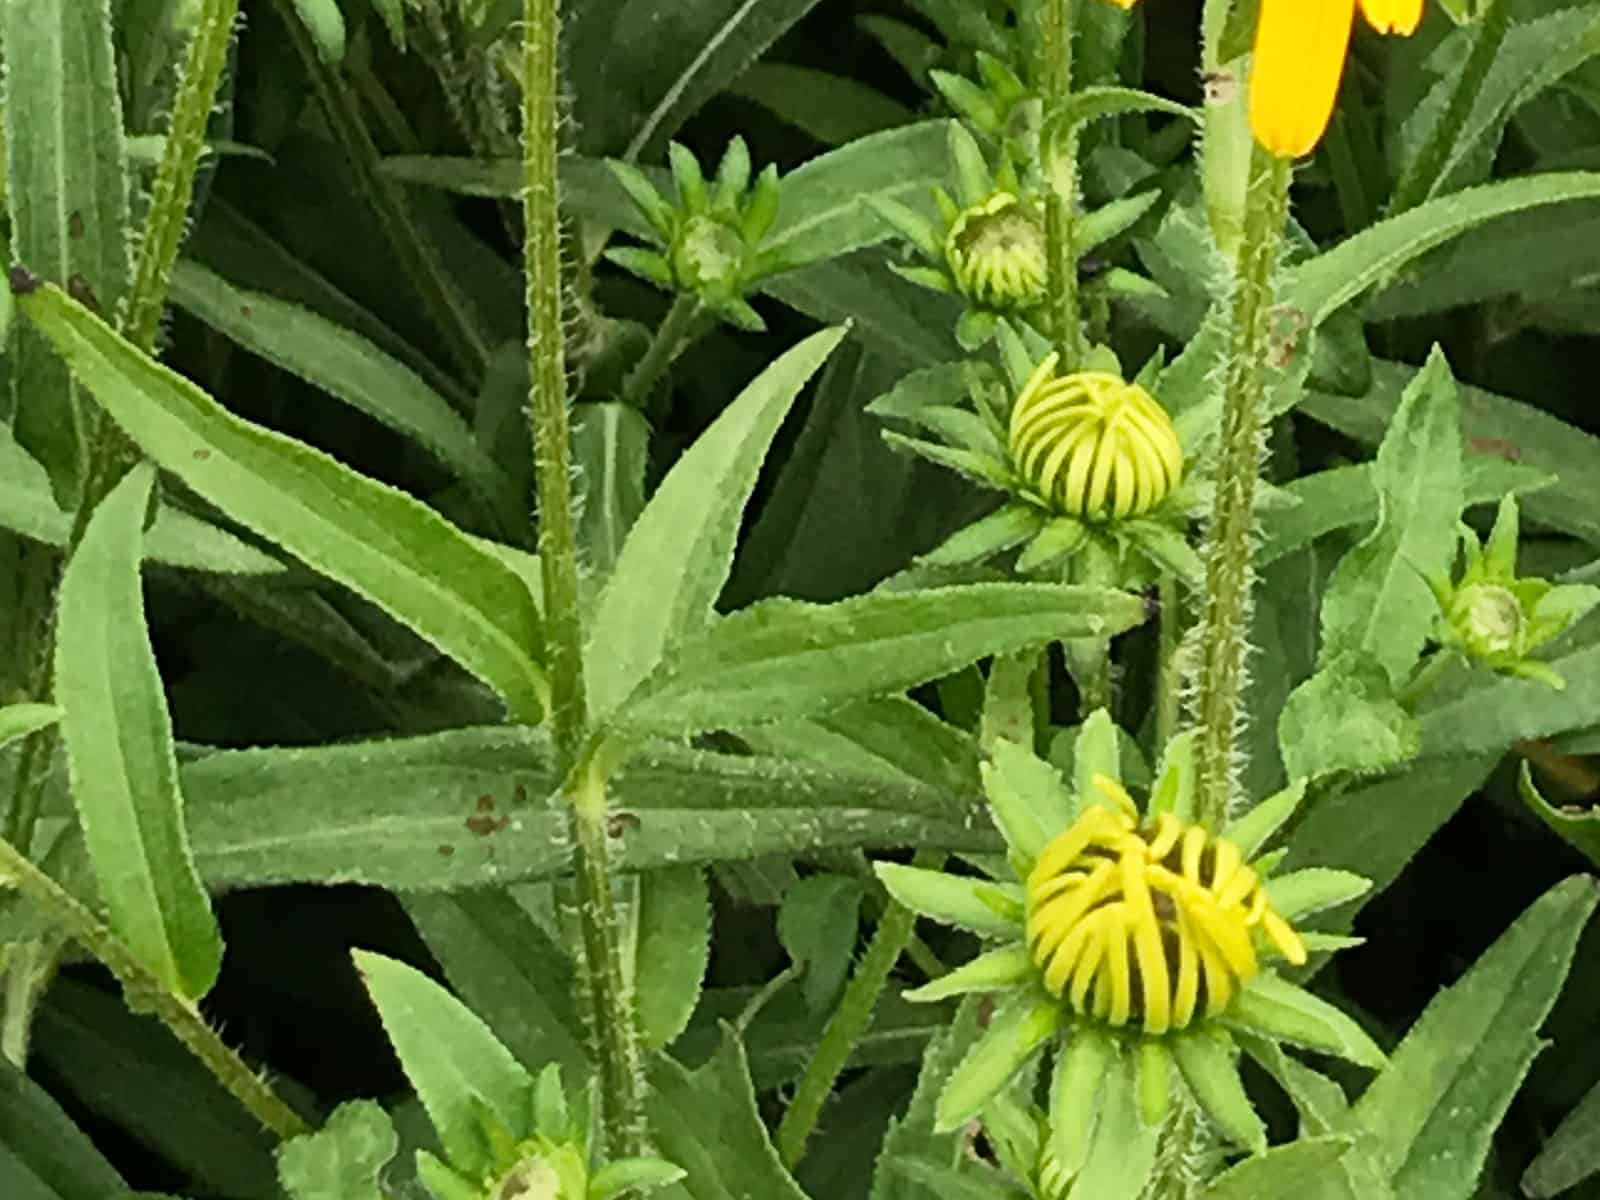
<point>1123,1027</point>
<point>1091,466</point>
<point>1492,617</point>
<point>708,242</point>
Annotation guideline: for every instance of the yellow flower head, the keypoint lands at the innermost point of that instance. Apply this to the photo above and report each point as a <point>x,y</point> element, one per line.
<point>1150,925</point>
<point>1299,57</point>
<point>1093,445</point>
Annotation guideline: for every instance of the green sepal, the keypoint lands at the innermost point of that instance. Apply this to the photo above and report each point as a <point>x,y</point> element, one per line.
<point>931,278</point>
<point>1168,549</point>
<point>975,327</point>
<point>1061,537</point>
<point>909,224</point>
<point>1000,79</point>
<point>979,468</point>
<point>1018,1031</point>
<point>1155,1081</point>
<point>1106,222</point>
<point>646,264</point>
<point>968,100</point>
<point>1012,1131</point>
<point>1097,750</point>
<point>1314,889</point>
<point>1029,801</point>
<point>1499,555</point>
<point>1328,943</point>
<point>737,312</point>
<point>952,899</point>
<point>1209,1063</point>
<point>651,203</point>
<point>1275,1008</point>
<point>1558,610</point>
<point>551,1116</point>
<point>444,1183</point>
<point>762,209</point>
<point>1251,831</point>
<point>634,1175</point>
<point>1000,530</point>
<point>1080,1070</point>
<point>963,429</point>
<point>993,971</point>
<point>692,196</point>
<point>972,169</point>
<point>733,177</point>
<point>1174,787</point>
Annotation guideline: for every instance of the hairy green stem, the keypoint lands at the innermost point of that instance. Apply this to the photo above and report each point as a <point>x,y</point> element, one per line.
<point>605,995</point>
<point>1426,169</point>
<point>848,1023</point>
<point>181,1017</point>
<point>467,344</point>
<point>677,331</point>
<point>1061,300</point>
<point>1223,633</point>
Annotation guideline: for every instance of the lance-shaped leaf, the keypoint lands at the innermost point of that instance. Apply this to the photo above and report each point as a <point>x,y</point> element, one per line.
<point>377,541</point>
<point>19,720</point>
<point>1433,1111</point>
<point>677,555</point>
<point>43,1155</point>
<point>461,1072</point>
<point>787,659</point>
<point>120,753</point>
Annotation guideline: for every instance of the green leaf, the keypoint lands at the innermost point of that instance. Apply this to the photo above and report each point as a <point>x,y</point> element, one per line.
<point>1345,718</point>
<point>1492,713</point>
<point>1076,1086</point>
<point>19,720</point>
<point>67,196</point>
<point>906,323</point>
<point>817,926</point>
<point>634,1176</point>
<point>1377,600</point>
<point>1570,1154</point>
<point>707,1123</point>
<point>824,209</point>
<point>787,659</point>
<point>912,1137</point>
<point>1578,826</point>
<point>1314,889</point>
<point>325,23</point>
<point>1210,1067</point>
<point>380,543</point>
<point>176,539</point>
<point>394,20</point>
<point>508,969</point>
<point>1272,1006</point>
<point>673,946</point>
<point>992,971</point>
<point>1122,1149</point>
<point>1332,279</point>
<point>1433,1111</point>
<point>1019,1030</point>
<point>676,558</point>
<point>832,109</point>
<point>344,1159</point>
<point>349,368</point>
<point>454,1062</point>
<point>1028,797</point>
<point>467,809</point>
<point>1307,1169</point>
<point>118,737</point>
<point>610,451</point>
<point>43,1155</point>
<point>964,902</point>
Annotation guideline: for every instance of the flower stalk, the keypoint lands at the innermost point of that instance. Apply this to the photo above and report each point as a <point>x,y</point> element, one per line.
<point>1222,635</point>
<point>1061,194</point>
<point>605,996</point>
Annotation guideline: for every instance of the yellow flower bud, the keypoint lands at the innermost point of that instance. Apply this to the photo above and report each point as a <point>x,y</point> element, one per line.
<point>1093,445</point>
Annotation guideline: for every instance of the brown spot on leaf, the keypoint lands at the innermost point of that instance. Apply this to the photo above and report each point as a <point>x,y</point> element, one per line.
<point>80,290</point>
<point>485,826</point>
<point>202,454</point>
<point>23,280</point>
<point>486,804</point>
<point>75,226</point>
<point>621,822</point>
<point>519,795</point>
<point>445,851</point>
<point>1496,447</point>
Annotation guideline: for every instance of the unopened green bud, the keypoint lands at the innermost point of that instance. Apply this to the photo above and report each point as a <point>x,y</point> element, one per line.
<point>996,253</point>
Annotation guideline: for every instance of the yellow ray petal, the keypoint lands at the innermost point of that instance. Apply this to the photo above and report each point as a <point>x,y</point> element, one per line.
<point>1294,76</point>
<point>1393,16</point>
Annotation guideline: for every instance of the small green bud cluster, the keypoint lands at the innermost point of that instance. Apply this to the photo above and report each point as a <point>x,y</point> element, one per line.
<point>1491,617</point>
<point>708,241</point>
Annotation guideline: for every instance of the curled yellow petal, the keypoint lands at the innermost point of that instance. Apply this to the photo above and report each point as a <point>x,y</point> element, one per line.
<point>1294,75</point>
<point>1393,16</point>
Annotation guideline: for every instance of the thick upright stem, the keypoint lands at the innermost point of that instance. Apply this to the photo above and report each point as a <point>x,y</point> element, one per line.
<point>606,996</point>
<point>1223,635</point>
<point>1055,60</point>
<point>1419,180</point>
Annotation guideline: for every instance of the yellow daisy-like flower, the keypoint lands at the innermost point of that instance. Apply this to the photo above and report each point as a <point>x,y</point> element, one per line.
<point>1299,56</point>
<point>1183,902</point>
